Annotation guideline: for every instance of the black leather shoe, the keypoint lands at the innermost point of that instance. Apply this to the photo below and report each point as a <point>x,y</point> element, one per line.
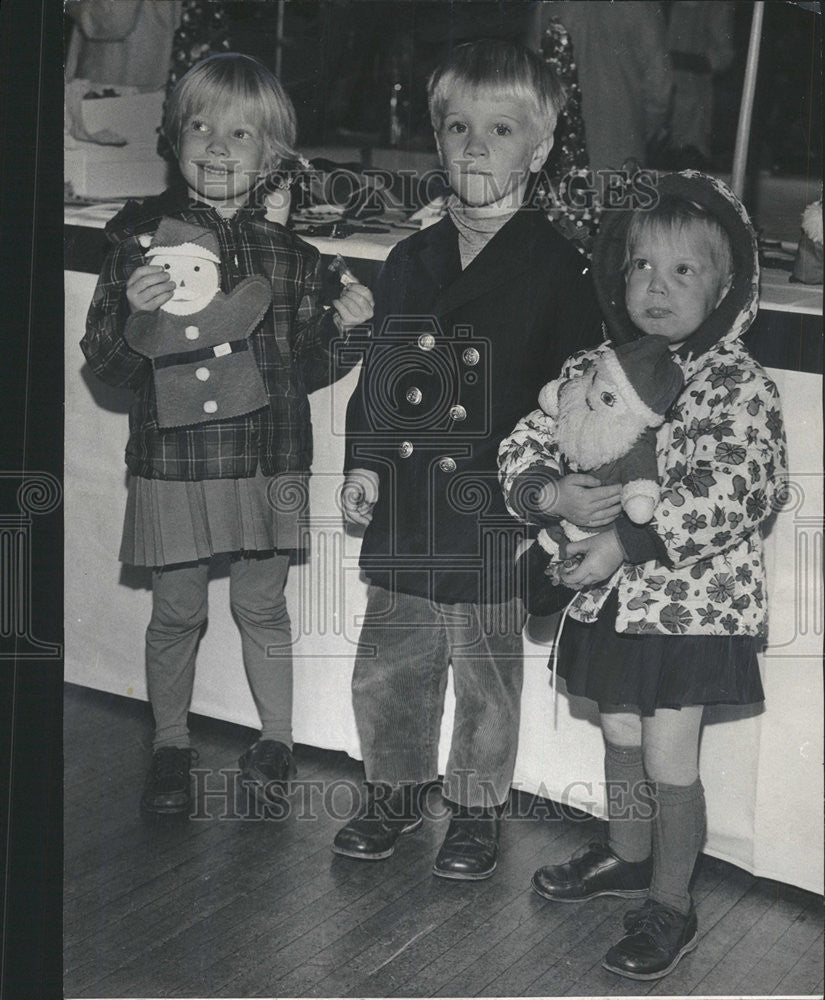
<point>658,938</point>
<point>267,768</point>
<point>168,787</point>
<point>593,871</point>
<point>388,814</point>
<point>470,848</point>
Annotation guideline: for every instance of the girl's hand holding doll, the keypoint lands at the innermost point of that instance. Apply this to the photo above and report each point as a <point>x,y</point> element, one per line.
<point>148,288</point>
<point>603,555</point>
<point>582,499</point>
<point>355,306</point>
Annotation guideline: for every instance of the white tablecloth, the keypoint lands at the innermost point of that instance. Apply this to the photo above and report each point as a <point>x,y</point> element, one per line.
<point>763,773</point>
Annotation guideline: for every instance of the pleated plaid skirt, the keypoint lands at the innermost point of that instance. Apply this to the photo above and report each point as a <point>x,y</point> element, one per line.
<point>176,522</point>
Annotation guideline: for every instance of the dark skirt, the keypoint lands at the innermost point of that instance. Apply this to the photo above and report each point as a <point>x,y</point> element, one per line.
<point>656,671</point>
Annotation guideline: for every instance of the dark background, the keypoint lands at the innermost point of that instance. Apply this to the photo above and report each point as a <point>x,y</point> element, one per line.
<point>31,439</point>
<point>341,59</point>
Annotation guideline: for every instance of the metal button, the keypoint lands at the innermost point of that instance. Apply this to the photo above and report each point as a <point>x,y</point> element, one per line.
<point>192,333</point>
<point>202,374</point>
<point>405,449</point>
<point>446,464</point>
<point>458,412</point>
<point>426,341</point>
<point>210,406</point>
<point>413,395</point>
<point>470,356</point>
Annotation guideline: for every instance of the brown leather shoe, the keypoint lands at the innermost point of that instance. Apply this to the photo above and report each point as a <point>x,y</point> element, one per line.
<point>593,871</point>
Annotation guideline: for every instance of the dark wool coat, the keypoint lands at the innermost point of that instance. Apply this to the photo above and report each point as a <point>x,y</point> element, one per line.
<point>456,357</point>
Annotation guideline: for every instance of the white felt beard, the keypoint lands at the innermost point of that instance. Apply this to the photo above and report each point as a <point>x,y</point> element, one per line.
<point>589,438</point>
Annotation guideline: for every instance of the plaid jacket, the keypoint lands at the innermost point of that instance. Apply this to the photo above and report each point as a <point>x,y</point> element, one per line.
<point>294,347</point>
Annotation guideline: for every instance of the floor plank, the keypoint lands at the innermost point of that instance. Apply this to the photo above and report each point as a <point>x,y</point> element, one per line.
<point>783,931</point>
<point>242,906</point>
<point>377,970</point>
<point>466,931</point>
<point>805,978</point>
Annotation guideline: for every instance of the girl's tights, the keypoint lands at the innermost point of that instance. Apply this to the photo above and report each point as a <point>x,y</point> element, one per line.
<point>179,610</point>
<point>655,798</point>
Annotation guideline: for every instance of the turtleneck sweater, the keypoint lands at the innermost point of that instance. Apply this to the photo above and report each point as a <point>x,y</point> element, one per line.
<point>477,225</point>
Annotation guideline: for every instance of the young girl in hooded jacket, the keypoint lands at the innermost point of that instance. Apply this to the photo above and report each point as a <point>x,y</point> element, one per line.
<point>668,617</point>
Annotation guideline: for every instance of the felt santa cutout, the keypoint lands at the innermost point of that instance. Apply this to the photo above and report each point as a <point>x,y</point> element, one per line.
<point>198,341</point>
<point>605,423</point>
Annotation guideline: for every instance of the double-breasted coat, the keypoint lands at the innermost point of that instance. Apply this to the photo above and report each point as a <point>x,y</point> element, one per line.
<point>455,359</point>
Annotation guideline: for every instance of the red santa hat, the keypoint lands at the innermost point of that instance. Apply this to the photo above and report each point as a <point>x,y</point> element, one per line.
<point>174,238</point>
<point>645,374</point>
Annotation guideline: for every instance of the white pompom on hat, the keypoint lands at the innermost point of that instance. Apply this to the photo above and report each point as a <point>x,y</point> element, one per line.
<point>174,238</point>
<point>646,376</point>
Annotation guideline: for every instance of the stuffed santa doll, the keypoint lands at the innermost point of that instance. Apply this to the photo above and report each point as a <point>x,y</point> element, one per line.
<point>198,341</point>
<point>605,421</point>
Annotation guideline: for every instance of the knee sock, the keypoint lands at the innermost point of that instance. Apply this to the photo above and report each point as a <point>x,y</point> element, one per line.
<point>678,833</point>
<point>627,802</point>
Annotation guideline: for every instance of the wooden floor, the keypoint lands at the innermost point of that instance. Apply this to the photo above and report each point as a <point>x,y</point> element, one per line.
<point>231,904</point>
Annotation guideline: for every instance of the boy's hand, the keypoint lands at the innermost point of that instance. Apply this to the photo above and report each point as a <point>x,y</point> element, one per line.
<point>148,287</point>
<point>355,306</point>
<point>603,555</point>
<point>359,495</point>
<point>581,499</point>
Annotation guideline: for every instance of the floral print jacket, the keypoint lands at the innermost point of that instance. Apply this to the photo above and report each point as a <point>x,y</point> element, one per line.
<point>722,463</point>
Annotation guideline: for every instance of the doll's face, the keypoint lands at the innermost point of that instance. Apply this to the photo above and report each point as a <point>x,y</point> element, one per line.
<point>196,282</point>
<point>595,425</point>
<point>602,397</point>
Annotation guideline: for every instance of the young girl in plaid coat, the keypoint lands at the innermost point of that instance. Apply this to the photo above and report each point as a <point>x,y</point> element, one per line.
<point>236,485</point>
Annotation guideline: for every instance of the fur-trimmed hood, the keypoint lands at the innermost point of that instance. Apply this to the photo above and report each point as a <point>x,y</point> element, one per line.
<point>735,312</point>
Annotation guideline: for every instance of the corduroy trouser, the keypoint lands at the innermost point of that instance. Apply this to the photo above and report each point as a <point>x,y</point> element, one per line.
<point>406,646</point>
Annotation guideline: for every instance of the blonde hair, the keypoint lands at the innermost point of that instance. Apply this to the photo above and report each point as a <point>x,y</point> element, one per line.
<point>499,69</point>
<point>675,214</point>
<point>232,80</point>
